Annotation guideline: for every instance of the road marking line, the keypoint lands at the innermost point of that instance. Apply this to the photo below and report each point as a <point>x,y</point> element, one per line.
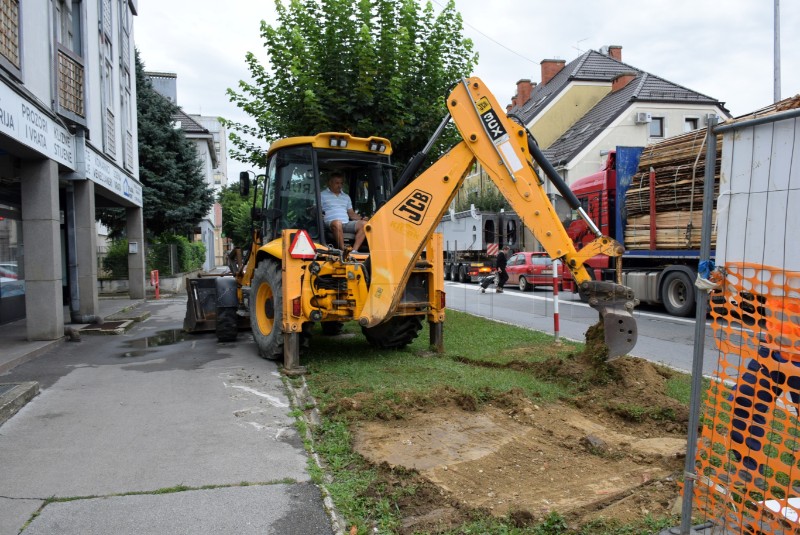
<point>574,303</point>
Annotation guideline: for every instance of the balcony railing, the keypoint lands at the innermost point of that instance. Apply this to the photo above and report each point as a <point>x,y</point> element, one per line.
<point>71,86</point>
<point>9,36</point>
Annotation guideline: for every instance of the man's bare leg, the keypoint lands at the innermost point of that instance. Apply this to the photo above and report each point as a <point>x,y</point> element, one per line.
<point>338,234</point>
<point>360,235</point>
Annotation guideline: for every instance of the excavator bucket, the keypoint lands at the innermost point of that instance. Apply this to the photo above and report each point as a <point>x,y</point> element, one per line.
<point>201,310</point>
<point>615,304</point>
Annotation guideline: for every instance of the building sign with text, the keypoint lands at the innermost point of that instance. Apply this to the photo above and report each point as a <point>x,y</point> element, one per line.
<point>100,171</point>
<point>25,123</point>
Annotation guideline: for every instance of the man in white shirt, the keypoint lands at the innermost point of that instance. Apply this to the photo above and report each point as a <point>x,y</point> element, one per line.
<point>339,214</point>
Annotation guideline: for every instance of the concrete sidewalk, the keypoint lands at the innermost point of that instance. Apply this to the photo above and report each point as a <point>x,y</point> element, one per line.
<point>152,431</point>
<point>16,349</point>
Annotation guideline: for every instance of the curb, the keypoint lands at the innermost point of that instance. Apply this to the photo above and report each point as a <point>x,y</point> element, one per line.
<point>108,327</point>
<point>13,399</point>
<point>300,397</point>
<point>43,348</point>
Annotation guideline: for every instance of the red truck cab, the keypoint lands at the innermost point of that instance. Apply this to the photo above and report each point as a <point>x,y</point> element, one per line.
<point>596,193</point>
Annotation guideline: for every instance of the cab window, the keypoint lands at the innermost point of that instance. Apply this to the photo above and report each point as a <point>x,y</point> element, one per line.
<point>293,190</point>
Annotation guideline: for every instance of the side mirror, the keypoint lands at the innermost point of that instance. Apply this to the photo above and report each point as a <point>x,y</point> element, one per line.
<point>244,183</point>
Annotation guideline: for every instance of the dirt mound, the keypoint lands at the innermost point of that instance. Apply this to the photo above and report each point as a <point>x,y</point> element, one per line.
<point>612,454</point>
<point>628,387</point>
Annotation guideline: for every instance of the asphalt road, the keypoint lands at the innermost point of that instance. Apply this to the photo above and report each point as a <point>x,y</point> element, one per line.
<point>662,338</point>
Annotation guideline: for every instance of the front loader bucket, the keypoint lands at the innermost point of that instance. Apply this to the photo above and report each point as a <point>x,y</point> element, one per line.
<point>614,303</point>
<point>201,309</point>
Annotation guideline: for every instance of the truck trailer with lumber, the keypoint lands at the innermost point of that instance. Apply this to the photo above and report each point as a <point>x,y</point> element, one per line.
<point>650,199</point>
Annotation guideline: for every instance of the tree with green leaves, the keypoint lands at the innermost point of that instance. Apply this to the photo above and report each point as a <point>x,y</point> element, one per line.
<point>368,67</point>
<point>236,220</point>
<point>175,196</point>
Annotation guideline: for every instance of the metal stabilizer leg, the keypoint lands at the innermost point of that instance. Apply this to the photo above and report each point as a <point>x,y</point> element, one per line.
<point>614,303</point>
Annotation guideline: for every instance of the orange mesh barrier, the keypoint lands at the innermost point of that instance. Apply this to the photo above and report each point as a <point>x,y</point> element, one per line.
<point>748,457</point>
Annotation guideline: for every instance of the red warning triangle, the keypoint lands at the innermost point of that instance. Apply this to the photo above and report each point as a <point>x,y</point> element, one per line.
<point>302,247</point>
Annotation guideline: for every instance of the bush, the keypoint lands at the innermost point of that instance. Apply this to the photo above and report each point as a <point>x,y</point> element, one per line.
<point>488,200</point>
<point>171,254</point>
<point>115,262</point>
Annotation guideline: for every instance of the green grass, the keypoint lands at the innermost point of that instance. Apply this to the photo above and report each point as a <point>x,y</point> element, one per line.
<point>343,367</point>
<point>482,360</point>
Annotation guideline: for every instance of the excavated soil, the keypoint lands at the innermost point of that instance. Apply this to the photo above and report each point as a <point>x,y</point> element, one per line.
<point>614,453</point>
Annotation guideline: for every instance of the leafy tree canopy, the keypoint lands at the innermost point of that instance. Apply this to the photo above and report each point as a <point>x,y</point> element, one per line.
<point>236,220</point>
<point>174,192</point>
<point>367,67</point>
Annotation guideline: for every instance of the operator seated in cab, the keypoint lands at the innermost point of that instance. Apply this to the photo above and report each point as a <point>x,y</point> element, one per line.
<point>339,215</point>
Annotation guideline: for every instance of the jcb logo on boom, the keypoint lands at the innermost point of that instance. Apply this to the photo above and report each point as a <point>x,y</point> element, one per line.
<point>413,208</point>
<point>490,119</point>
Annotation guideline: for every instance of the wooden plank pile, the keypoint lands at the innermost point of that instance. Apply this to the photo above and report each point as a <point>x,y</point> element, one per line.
<point>680,164</point>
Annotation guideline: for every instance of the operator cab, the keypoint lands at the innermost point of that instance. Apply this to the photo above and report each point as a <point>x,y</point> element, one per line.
<point>298,170</point>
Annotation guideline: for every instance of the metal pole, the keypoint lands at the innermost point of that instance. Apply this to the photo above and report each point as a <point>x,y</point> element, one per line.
<point>777,51</point>
<point>556,265</point>
<point>699,333</point>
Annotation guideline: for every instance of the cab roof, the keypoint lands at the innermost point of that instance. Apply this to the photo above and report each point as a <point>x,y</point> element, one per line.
<point>337,140</point>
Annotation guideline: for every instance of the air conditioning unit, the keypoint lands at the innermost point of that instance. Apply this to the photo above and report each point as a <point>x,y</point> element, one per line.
<point>711,116</point>
<point>642,117</point>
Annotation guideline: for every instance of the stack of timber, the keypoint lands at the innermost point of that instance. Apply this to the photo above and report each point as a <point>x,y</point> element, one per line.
<point>679,164</point>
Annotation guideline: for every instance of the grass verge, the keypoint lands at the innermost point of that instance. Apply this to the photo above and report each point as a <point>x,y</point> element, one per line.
<point>483,361</point>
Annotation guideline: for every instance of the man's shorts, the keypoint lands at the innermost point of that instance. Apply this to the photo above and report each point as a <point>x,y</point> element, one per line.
<point>350,226</point>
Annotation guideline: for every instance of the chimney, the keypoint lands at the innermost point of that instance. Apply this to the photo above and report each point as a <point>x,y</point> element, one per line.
<point>622,80</point>
<point>514,100</point>
<point>508,107</point>
<point>615,52</point>
<point>551,67</point>
<point>524,88</point>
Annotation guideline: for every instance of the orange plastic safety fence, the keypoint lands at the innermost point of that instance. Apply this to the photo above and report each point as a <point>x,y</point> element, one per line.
<point>748,459</point>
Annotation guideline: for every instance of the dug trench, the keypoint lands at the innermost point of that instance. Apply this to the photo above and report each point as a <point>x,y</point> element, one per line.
<point>611,454</point>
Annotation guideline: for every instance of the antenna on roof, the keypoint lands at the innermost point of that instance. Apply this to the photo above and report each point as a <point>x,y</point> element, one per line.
<point>578,44</point>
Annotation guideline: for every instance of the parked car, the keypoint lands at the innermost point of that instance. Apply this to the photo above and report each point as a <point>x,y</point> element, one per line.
<point>9,270</point>
<point>10,285</point>
<point>527,269</point>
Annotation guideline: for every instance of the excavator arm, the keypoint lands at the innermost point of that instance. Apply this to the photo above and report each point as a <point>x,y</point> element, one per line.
<point>398,232</point>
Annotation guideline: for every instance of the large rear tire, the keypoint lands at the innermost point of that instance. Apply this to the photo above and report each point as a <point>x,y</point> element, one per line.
<point>266,309</point>
<point>396,333</point>
<point>227,327</point>
<point>677,294</point>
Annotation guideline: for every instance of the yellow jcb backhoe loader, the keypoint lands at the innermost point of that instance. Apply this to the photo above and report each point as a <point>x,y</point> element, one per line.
<point>290,279</point>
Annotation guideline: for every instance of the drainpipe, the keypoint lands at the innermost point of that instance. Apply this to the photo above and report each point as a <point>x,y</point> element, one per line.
<point>72,245</point>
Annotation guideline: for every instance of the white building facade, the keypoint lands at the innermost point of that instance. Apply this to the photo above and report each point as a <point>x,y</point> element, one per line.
<point>67,145</point>
<point>218,179</point>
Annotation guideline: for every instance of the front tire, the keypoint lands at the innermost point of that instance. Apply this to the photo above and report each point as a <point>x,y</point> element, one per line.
<point>523,284</point>
<point>266,309</point>
<point>396,333</point>
<point>677,294</point>
<point>227,327</point>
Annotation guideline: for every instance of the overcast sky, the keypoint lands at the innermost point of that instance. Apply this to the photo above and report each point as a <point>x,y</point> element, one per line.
<point>721,49</point>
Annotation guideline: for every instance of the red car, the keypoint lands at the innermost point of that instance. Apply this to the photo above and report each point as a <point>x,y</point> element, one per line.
<point>527,270</point>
